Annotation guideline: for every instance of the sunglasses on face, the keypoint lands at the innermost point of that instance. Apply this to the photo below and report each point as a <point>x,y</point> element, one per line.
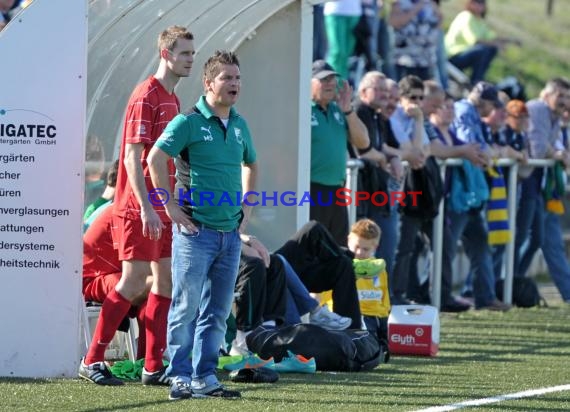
<point>415,97</point>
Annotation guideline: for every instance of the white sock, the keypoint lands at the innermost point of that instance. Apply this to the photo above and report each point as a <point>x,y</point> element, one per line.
<point>270,323</point>
<point>240,337</point>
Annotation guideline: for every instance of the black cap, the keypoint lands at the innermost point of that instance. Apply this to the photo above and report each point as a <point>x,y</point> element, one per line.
<point>487,91</point>
<point>322,69</point>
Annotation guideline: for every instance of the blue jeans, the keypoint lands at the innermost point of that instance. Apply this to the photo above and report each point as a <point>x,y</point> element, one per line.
<point>554,254</point>
<point>299,301</point>
<point>498,257</point>
<point>530,227</point>
<point>497,251</point>
<point>530,239</point>
<point>470,227</point>
<point>404,260</point>
<point>478,58</point>
<point>204,270</point>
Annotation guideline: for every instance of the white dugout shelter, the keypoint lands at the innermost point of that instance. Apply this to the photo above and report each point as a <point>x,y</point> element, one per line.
<point>73,66</point>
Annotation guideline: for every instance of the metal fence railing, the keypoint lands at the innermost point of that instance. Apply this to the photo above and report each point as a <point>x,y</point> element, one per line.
<point>352,167</point>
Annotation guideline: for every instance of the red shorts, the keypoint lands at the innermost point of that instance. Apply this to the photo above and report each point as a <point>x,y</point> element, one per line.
<point>132,245</point>
<point>98,289</point>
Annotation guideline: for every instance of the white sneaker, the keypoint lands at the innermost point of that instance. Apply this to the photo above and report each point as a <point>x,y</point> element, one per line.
<point>239,348</point>
<point>329,320</point>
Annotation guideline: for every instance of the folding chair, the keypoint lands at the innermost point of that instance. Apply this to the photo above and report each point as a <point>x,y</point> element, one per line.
<point>91,310</point>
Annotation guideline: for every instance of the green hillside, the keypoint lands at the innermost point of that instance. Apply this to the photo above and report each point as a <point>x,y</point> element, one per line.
<point>545,51</point>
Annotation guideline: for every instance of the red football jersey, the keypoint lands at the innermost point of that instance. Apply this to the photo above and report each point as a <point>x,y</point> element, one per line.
<point>99,256</point>
<point>149,110</point>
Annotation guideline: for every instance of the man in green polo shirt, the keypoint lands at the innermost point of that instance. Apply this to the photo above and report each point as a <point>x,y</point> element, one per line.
<point>333,125</point>
<point>212,146</point>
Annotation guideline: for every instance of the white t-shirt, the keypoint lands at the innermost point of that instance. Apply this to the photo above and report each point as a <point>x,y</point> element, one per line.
<point>343,8</point>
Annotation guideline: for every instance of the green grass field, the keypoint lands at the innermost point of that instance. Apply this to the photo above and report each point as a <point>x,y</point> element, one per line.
<point>482,354</point>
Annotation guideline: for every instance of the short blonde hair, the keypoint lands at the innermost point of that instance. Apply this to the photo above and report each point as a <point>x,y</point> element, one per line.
<point>366,229</point>
<point>167,39</point>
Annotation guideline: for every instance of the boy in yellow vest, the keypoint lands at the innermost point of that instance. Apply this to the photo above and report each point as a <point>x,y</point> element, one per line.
<point>371,276</point>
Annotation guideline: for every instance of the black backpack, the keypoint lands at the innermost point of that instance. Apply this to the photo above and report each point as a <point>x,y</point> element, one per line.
<point>525,292</point>
<point>345,350</point>
<point>426,180</point>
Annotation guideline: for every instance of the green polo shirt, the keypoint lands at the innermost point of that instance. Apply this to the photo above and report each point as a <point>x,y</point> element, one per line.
<point>208,166</point>
<point>329,136</point>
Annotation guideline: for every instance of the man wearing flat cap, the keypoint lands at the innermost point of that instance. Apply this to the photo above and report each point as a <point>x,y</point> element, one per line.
<point>333,125</point>
<point>480,102</point>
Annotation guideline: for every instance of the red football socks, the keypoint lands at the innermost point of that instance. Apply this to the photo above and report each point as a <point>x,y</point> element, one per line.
<point>114,309</point>
<point>156,319</point>
<point>141,342</point>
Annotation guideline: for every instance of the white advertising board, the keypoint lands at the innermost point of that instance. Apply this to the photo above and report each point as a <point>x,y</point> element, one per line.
<point>42,129</point>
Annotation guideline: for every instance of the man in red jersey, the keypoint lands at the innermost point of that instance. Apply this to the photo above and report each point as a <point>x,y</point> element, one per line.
<point>102,269</point>
<point>137,224</point>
